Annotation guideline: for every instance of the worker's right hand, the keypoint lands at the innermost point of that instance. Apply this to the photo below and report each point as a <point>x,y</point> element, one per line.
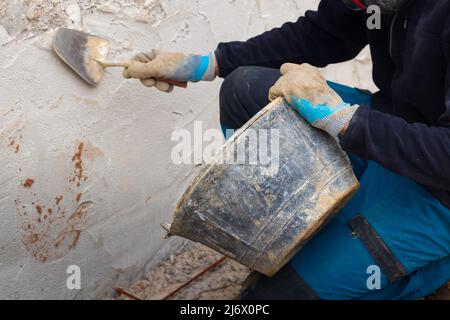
<point>152,68</point>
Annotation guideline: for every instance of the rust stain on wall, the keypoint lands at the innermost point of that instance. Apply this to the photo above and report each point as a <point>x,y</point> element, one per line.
<point>28,183</point>
<point>51,229</point>
<point>52,235</point>
<point>58,199</point>
<point>14,144</point>
<point>75,224</point>
<point>78,163</point>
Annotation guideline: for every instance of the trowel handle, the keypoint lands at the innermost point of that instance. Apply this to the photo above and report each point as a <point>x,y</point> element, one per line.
<point>126,64</point>
<point>179,84</point>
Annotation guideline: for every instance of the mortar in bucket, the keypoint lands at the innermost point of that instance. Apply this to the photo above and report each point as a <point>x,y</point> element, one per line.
<point>261,214</point>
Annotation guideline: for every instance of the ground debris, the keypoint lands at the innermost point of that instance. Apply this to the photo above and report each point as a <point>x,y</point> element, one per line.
<point>221,283</point>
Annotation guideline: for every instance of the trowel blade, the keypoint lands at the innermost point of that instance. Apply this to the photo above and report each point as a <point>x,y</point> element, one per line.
<point>80,51</point>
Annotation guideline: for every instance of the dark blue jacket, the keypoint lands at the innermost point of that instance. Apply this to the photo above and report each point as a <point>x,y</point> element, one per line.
<point>408,128</point>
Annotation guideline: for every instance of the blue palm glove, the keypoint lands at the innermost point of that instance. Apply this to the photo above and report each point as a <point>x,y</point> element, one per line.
<point>306,91</point>
<point>333,120</point>
<point>153,67</point>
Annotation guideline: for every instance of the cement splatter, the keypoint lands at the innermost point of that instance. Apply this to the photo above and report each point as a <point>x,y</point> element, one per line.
<point>92,152</point>
<point>3,8</point>
<point>43,14</point>
<point>87,102</point>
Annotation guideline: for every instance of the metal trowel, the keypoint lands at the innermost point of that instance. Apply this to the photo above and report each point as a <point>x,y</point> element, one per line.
<point>87,55</point>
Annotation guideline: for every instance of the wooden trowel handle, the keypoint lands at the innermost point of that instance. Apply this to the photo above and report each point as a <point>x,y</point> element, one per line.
<point>179,84</point>
<point>126,64</point>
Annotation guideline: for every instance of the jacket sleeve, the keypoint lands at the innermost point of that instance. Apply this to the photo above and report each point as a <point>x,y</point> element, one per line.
<point>412,150</point>
<point>331,34</point>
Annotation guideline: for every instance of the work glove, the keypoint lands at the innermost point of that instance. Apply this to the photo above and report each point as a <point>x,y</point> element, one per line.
<point>153,67</point>
<point>307,91</point>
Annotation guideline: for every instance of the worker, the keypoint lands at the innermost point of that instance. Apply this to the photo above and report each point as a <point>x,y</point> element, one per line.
<point>398,139</point>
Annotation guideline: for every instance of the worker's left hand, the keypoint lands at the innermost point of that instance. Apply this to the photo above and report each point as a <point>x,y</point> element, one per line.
<point>305,89</point>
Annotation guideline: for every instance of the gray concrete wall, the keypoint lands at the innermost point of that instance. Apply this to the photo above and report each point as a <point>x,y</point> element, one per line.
<point>98,159</point>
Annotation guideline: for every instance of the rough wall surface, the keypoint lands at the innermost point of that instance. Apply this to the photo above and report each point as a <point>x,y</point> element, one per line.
<point>86,174</point>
